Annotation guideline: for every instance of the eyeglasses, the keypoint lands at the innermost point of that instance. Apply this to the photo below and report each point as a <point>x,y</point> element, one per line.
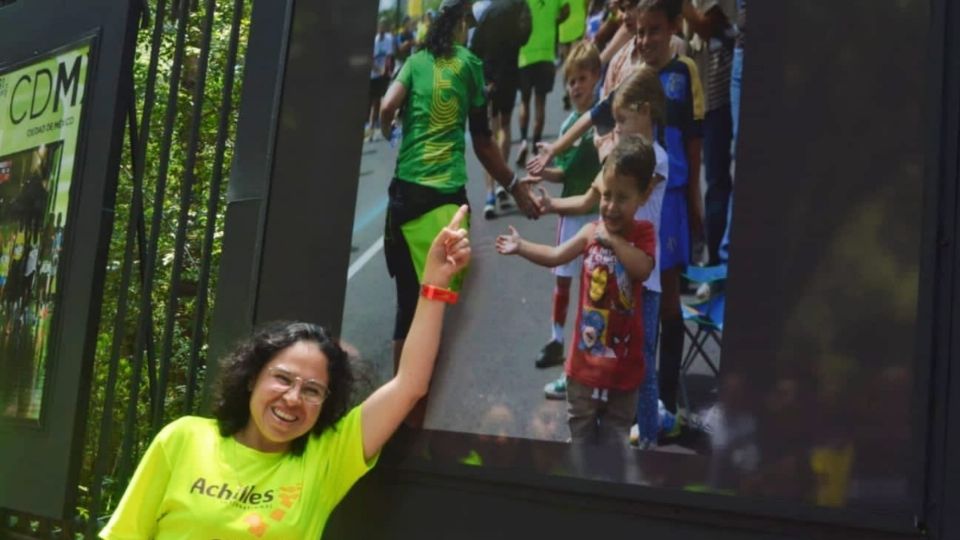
<point>312,391</point>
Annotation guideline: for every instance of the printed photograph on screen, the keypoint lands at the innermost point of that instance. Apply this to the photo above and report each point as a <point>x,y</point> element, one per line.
<point>31,238</point>
<point>40,116</point>
<point>601,320</point>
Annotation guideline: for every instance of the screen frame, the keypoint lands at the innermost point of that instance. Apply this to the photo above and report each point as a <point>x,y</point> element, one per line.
<point>402,460</point>
<point>42,458</point>
<point>397,457</point>
<point>91,41</point>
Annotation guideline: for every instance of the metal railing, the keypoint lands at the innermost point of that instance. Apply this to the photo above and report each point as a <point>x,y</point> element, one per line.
<point>164,249</point>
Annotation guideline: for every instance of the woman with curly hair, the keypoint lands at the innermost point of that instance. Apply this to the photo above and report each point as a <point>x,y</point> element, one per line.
<point>439,88</point>
<point>284,446</point>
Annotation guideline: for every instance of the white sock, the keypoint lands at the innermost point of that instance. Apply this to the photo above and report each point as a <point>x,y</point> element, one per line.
<point>557,333</point>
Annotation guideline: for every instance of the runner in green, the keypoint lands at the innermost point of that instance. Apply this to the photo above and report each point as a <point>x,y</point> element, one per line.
<point>537,70</point>
<point>571,31</point>
<point>575,26</point>
<point>441,87</point>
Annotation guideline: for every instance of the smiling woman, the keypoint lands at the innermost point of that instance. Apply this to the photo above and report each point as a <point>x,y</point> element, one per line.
<point>285,447</point>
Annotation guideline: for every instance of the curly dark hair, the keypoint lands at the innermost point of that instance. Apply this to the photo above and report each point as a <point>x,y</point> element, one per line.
<point>440,36</point>
<point>241,368</point>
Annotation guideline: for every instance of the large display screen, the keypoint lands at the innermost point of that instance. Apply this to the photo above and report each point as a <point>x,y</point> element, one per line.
<point>795,379</point>
<point>40,111</point>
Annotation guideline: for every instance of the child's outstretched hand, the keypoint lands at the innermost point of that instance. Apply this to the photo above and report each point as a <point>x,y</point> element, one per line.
<point>539,162</point>
<point>449,253</point>
<point>509,244</point>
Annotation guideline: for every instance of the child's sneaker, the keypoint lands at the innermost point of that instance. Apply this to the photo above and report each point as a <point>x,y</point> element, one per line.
<point>550,355</point>
<point>490,207</point>
<point>503,198</point>
<point>556,389</point>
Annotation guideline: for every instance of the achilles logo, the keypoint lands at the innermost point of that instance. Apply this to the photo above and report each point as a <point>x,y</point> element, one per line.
<point>226,492</point>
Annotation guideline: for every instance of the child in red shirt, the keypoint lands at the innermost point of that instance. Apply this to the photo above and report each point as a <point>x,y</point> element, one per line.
<point>605,366</point>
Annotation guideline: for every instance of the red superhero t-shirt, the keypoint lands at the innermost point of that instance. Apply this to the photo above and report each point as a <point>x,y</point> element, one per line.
<point>607,347</point>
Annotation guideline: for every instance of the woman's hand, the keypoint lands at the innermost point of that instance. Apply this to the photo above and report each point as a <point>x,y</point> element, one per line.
<point>509,244</point>
<point>449,253</point>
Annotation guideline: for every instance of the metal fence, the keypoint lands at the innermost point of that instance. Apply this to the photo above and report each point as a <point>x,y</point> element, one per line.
<point>164,250</point>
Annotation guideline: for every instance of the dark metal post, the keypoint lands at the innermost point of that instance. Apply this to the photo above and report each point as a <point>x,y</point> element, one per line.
<point>235,300</point>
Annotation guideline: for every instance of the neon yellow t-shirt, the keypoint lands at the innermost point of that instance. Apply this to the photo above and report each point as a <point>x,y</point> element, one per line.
<point>193,483</point>
<point>541,47</point>
<point>575,25</point>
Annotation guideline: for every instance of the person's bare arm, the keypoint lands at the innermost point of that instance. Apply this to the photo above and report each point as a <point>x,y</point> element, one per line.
<point>488,152</point>
<point>544,255</point>
<point>547,151</point>
<point>607,31</point>
<point>706,25</point>
<point>574,205</point>
<point>552,174</point>
<point>619,39</point>
<point>396,95</point>
<point>386,408</point>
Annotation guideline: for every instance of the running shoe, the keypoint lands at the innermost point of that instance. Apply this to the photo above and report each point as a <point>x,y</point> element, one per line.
<point>556,389</point>
<point>550,355</point>
<point>503,198</point>
<point>490,207</point>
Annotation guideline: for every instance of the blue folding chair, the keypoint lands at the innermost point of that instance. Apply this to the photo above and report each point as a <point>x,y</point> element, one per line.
<point>707,317</point>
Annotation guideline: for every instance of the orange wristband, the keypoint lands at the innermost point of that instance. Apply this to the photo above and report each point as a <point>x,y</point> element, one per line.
<point>436,293</point>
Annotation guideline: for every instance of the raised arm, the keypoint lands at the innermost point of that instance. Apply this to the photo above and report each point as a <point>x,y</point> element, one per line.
<point>619,39</point>
<point>549,256</point>
<point>386,408</point>
<point>706,25</point>
<point>548,151</point>
<point>396,95</point>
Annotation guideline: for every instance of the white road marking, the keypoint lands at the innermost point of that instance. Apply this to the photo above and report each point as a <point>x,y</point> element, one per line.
<point>365,258</point>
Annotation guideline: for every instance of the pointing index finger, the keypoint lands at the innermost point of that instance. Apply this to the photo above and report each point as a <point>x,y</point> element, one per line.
<point>458,217</point>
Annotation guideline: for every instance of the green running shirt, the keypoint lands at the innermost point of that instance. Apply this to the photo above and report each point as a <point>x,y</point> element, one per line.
<point>580,163</point>
<point>440,94</point>
<point>575,25</point>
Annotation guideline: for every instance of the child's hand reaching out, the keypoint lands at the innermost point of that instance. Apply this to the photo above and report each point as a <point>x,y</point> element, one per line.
<point>509,244</point>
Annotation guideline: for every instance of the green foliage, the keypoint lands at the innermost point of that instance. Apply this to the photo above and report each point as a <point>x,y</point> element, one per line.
<point>165,206</point>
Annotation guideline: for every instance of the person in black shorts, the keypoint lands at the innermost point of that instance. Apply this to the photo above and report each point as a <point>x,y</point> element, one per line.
<point>501,30</point>
<point>537,70</point>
